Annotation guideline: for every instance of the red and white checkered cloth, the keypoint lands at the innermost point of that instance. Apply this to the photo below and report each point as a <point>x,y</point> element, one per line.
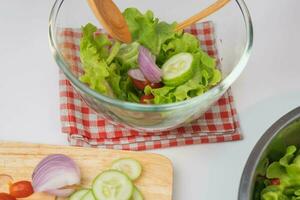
<point>85,128</point>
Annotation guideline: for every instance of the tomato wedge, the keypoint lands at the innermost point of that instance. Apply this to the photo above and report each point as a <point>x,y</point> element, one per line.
<point>139,84</point>
<point>275,181</point>
<point>146,99</point>
<point>5,196</point>
<point>156,85</point>
<point>21,189</point>
<point>142,84</point>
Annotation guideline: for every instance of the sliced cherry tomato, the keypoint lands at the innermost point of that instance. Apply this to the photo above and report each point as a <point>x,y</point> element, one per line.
<point>275,181</point>
<point>156,85</point>
<point>139,84</point>
<point>5,196</point>
<point>21,189</point>
<point>147,99</point>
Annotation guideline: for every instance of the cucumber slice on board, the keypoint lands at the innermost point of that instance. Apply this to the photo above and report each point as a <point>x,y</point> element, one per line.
<point>112,185</point>
<point>178,69</point>
<point>88,196</point>
<point>132,168</point>
<point>79,194</point>
<point>137,195</point>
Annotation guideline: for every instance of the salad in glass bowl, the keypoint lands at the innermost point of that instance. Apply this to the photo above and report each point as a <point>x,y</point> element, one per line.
<point>160,66</point>
<point>163,78</point>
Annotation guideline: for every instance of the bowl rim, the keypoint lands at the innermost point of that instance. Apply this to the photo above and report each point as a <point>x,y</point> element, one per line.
<point>248,175</point>
<point>224,84</point>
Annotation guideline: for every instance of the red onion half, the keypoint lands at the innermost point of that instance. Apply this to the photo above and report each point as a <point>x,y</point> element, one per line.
<point>148,66</point>
<point>54,173</point>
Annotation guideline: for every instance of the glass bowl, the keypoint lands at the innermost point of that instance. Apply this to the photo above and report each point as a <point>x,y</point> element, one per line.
<point>234,38</point>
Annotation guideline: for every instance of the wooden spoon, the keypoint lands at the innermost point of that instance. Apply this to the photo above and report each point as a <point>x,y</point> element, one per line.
<point>202,14</point>
<point>111,19</point>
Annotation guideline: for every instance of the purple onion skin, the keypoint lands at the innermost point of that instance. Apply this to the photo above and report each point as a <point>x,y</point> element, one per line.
<point>148,66</point>
<point>54,172</point>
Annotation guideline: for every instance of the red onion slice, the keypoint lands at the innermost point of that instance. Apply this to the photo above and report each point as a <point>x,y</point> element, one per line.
<point>148,66</point>
<point>136,74</point>
<point>55,172</point>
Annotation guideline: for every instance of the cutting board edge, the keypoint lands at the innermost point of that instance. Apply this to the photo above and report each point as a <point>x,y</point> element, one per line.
<point>4,143</point>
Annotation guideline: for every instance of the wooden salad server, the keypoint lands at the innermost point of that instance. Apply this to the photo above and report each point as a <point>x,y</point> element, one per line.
<point>111,19</point>
<point>202,14</point>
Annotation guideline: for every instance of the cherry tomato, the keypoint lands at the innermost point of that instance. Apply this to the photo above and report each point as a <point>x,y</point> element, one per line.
<point>21,189</point>
<point>139,84</point>
<point>156,85</point>
<point>275,181</point>
<point>5,196</point>
<point>146,99</point>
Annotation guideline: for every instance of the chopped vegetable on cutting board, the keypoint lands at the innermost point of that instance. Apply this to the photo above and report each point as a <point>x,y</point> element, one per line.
<point>152,173</point>
<point>115,183</point>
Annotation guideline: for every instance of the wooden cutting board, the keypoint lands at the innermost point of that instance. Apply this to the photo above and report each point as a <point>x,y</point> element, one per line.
<point>19,160</point>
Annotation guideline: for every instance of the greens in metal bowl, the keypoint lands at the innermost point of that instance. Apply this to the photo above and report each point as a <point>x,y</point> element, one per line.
<point>279,179</point>
<point>160,66</point>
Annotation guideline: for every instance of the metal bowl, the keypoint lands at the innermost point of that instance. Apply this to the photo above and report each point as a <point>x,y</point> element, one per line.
<point>284,132</point>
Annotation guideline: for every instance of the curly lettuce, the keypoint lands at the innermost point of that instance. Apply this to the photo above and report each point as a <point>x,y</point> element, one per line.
<point>93,52</point>
<point>101,72</point>
<point>148,30</point>
<point>287,171</point>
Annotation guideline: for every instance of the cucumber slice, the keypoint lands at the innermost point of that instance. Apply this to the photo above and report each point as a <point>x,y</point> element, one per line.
<point>112,185</point>
<point>88,196</point>
<point>178,69</point>
<point>78,194</point>
<point>132,168</point>
<point>137,195</point>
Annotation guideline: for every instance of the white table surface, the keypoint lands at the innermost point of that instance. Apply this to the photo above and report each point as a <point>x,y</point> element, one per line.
<point>267,89</point>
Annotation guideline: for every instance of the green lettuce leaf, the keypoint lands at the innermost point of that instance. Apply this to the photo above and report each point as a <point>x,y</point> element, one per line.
<point>288,157</point>
<point>121,84</point>
<point>94,75</point>
<point>293,170</point>
<point>161,95</point>
<point>275,170</point>
<point>128,55</point>
<point>180,42</point>
<point>92,52</point>
<point>188,90</point>
<point>114,80</point>
<point>101,71</point>
<point>147,30</point>
<point>113,52</point>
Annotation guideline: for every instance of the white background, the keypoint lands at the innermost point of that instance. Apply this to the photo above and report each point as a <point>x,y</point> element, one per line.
<point>267,89</point>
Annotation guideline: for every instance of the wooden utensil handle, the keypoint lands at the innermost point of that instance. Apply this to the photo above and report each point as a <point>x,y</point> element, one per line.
<point>204,13</point>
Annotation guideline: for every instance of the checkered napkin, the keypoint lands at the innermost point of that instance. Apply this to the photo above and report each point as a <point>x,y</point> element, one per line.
<point>86,128</point>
